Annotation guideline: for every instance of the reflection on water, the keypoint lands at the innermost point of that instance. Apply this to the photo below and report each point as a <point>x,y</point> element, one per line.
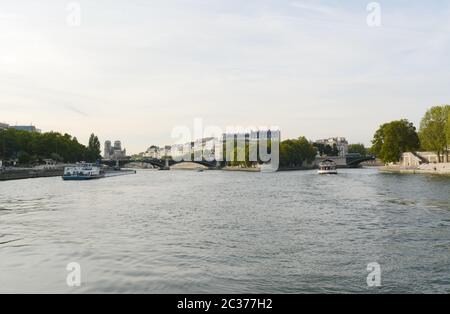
<point>229,232</point>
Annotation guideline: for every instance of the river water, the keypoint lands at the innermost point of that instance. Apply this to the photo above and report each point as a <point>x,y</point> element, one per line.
<point>227,232</point>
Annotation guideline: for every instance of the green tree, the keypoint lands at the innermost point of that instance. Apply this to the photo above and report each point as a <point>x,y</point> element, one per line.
<point>57,157</point>
<point>433,131</point>
<point>325,149</point>
<point>24,157</point>
<point>357,149</point>
<point>294,152</point>
<point>448,133</point>
<point>392,139</point>
<point>236,152</point>
<point>31,147</point>
<point>93,150</point>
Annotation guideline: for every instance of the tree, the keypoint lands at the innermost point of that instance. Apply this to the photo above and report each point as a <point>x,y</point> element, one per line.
<point>357,149</point>
<point>30,147</point>
<point>392,139</point>
<point>448,133</point>
<point>434,130</point>
<point>237,152</point>
<point>334,150</point>
<point>24,157</point>
<point>293,153</point>
<point>57,157</point>
<point>93,150</point>
<point>325,149</point>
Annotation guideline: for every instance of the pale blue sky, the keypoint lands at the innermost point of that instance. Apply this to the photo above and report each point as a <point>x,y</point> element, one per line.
<point>133,70</point>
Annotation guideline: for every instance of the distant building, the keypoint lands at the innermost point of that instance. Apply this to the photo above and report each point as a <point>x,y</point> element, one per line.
<point>107,150</point>
<point>340,143</point>
<point>254,135</point>
<point>209,148</point>
<point>117,145</point>
<point>166,151</point>
<point>28,128</point>
<point>152,152</point>
<point>114,152</point>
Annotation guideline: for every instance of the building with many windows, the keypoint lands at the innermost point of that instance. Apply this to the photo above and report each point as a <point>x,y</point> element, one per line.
<point>209,148</point>
<point>28,128</point>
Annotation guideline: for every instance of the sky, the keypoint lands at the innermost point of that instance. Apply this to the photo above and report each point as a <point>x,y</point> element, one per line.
<point>135,70</point>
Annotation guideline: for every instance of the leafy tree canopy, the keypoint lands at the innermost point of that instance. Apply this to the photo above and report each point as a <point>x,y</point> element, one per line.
<point>325,149</point>
<point>357,149</point>
<point>392,139</point>
<point>294,152</point>
<point>33,147</point>
<point>434,130</point>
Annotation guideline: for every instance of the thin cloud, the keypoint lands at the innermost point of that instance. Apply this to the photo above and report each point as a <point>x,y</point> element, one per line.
<point>316,8</point>
<point>76,110</point>
<point>169,62</point>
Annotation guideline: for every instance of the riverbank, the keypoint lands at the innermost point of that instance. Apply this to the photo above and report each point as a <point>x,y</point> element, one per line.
<point>241,169</point>
<point>435,169</point>
<point>188,166</point>
<point>29,173</point>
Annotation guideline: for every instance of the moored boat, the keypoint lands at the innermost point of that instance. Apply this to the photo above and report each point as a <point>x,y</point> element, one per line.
<point>83,171</point>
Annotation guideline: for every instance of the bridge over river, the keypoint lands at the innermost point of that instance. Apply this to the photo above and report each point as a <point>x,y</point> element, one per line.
<point>351,161</point>
<point>162,164</point>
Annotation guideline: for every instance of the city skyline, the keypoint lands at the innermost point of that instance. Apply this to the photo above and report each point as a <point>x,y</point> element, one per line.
<point>135,70</point>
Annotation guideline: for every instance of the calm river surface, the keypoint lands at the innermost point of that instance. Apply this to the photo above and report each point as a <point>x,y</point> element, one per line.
<point>227,232</point>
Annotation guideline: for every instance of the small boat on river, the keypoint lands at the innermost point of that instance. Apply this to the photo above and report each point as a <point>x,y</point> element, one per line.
<point>327,167</point>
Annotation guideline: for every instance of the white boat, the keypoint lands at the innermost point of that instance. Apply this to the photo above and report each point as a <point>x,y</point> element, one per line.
<point>83,171</point>
<point>327,167</point>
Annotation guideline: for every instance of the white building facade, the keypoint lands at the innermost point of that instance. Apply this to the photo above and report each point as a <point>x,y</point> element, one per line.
<point>340,142</point>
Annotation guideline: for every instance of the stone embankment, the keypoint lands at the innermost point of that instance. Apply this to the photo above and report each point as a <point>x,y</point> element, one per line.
<point>438,168</point>
<point>27,173</point>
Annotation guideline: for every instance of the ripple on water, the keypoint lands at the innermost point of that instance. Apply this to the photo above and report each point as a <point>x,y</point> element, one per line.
<point>185,232</point>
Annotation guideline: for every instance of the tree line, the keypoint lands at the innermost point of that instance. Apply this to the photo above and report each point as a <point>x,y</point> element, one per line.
<point>293,153</point>
<point>32,147</point>
<point>393,139</point>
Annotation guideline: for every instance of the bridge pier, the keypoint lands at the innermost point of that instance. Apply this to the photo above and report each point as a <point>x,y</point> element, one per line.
<point>166,165</point>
